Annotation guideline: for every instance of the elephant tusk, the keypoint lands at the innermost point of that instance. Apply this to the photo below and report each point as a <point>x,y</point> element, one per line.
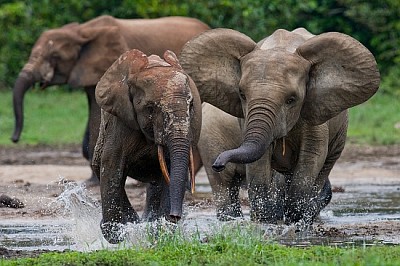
<point>283,146</point>
<point>163,165</point>
<point>191,170</point>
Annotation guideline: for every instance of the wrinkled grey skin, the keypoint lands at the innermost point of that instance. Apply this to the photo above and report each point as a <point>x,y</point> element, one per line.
<point>79,54</point>
<point>221,131</point>
<point>146,103</point>
<point>291,91</point>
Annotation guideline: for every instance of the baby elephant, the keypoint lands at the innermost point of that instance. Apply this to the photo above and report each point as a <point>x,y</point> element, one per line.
<point>150,124</point>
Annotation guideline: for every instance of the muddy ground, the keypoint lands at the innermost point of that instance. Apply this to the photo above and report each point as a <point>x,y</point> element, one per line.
<point>33,175</point>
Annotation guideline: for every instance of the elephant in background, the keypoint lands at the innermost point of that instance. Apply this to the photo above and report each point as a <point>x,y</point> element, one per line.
<point>150,124</point>
<point>79,54</point>
<point>221,131</point>
<point>291,92</point>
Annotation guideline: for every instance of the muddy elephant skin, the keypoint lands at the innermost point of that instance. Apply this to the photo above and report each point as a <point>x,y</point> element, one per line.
<point>150,125</point>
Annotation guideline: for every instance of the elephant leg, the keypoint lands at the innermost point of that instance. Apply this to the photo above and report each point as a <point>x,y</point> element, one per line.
<point>129,212</point>
<point>157,201</point>
<point>303,200</point>
<point>225,187</point>
<point>221,131</point>
<point>91,132</point>
<point>265,190</point>
<point>113,196</point>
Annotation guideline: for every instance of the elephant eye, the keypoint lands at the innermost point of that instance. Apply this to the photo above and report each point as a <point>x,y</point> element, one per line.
<point>290,100</point>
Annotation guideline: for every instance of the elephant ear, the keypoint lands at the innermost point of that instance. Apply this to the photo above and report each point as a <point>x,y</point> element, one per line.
<point>343,74</point>
<point>112,91</point>
<point>101,46</point>
<point>212,60</point>
<point>171,59</point>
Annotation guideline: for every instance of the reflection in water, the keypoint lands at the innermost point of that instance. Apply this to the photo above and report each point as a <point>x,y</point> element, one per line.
<point>77,226</point>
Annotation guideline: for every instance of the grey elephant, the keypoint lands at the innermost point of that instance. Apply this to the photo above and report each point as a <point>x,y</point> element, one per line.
<point>291,91</point>
<point>221,131</point>
<point>79,54</point>
<point>150,124</point>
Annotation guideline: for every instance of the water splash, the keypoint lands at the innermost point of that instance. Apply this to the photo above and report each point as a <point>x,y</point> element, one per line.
<point>76,224</point>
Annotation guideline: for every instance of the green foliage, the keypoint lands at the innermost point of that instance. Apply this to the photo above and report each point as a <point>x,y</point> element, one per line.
<point>233,245</point>
<point>374,23</point>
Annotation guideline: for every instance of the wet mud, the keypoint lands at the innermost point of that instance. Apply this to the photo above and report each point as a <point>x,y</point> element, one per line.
<point>365,208</point>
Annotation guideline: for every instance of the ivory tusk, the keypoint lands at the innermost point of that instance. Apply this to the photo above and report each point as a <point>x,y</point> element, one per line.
<point>283,146</point>
<point>191,170</point>
<point>163,166</point>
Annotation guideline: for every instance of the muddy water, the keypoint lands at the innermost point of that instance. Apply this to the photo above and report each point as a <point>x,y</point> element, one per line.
<point>366,213</point>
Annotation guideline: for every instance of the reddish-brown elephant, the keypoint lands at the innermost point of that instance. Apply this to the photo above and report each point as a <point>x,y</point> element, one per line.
<point>150,125</point>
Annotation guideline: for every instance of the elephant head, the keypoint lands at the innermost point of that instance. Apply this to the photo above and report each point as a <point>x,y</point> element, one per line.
<point>75,54</point>
<point>286,78</point>
<point>159,100</point>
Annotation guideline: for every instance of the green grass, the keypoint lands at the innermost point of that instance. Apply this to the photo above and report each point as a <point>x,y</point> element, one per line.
<point>376,121</point>
<point>52,116</point>
<point>232,245</point>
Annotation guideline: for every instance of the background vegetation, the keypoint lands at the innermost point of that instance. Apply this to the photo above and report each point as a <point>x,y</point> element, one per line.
<point>373,23</point>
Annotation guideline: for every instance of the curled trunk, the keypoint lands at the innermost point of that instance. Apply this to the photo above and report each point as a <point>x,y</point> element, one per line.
<point>257,139</point>
<point>23,83</point>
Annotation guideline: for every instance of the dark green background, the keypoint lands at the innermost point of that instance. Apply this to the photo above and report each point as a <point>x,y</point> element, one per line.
<point>374,23</point>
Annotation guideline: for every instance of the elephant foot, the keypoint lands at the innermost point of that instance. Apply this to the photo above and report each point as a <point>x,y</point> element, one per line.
<point>266,206</point>
<point>93,181</point>
<point>113,232</point>
<point>229,213</point>
<point>303,211</point>
<point>132,218</point>
<point>306,209</point>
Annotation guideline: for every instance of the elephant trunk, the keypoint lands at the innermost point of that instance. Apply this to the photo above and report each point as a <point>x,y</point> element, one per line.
<point>23,83</point>
<point>258,137</point>
<point>179,150</point>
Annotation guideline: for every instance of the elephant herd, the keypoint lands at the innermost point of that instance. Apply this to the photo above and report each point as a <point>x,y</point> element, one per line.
<point>164,92</point>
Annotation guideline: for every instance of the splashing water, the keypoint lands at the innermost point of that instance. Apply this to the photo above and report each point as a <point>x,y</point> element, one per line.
<point>84,211</point>
<point>78,205</point>
<point>78,215</point>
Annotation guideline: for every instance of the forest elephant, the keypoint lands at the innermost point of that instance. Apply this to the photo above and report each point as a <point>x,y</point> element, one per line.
<point>150,124</point>
<point>79,54</point>
<point>291,92</point>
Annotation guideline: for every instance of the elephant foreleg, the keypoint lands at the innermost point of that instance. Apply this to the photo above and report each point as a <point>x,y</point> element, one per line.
<point>265,190</point>
<point>310,175</point>
<point>225,187</point>
<point>157,201</point>
<point>116,208</point>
